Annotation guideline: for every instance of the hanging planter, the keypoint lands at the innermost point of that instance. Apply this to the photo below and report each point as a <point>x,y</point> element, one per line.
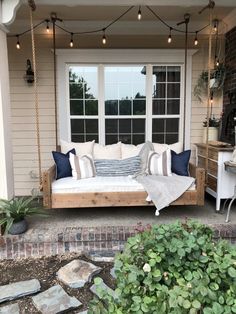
<point>216,82</point>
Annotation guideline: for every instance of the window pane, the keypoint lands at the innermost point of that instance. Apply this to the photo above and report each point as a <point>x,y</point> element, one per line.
<point>111,107</point>
<point>76,90</point>
<point>111,126</point>
<point>139,107</point>
<point>77,138</point>
<point>139,126</point>
<point>158,138</point>
<point>124,125</point>
<point>172,138</point>
<point>173,90</point>
<point>91,107</point>
<point>159,74</point>
<point>125,107</point>
<point>158,125</point>
<point>172,125</point>
<point>159,90</point>
<point>77,125</point>
<point>111,139</point>
<point>76,107</point>
<point>125,138</point>
<point>173,106</point>
<point>138,139</point>
<point>158,106</point>
<point>173,74</point>
<point>91,125</point>
<point>83,81</point>
<point>91,137</point>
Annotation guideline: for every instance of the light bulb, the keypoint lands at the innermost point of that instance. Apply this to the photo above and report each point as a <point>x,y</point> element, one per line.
<point>139,13</point>
<point>17,43</point>
<point>71,40</point>
<point>215,25</point>
<point>217,62</point>
<point>104,40</point>
<point>196,40</point>
<point>170,38</point>
<point>48,30</point>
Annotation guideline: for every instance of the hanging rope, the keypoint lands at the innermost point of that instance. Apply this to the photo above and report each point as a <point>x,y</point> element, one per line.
<point>211,7</point>
<point>36,97</point>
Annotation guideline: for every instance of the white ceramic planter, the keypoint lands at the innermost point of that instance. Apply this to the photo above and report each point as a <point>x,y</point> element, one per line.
<point>212,134</point>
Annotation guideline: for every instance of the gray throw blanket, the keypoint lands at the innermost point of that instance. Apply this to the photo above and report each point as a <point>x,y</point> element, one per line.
<point>164,190</point>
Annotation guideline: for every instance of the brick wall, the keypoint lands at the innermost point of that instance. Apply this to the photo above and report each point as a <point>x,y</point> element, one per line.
<point>230,62</point>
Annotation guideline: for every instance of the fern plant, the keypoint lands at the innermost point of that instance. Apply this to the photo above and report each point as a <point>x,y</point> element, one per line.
<point>16,210</point>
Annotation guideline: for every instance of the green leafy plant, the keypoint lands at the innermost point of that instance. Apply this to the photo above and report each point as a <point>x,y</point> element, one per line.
<point>174,269</point>
<point>17,209</point>
<point>213,122</point>
<point>217,77</point>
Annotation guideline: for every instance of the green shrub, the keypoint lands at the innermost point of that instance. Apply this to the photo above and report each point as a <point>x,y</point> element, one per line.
<point>175,268</point>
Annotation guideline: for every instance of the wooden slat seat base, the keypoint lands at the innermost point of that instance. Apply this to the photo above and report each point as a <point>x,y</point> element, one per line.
<point>120,199</point>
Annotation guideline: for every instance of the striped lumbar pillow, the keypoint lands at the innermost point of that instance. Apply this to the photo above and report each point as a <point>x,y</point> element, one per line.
<point>116,168</point>
<point>160,164</point>
<point>82,167</point>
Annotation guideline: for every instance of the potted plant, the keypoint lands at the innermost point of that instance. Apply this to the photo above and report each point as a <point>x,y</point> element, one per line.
<point>217,78</point>
<point>13,213</point>
<point>213,129</point>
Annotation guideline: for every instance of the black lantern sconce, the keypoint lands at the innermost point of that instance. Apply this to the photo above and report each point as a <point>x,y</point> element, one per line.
<point>29,76</point>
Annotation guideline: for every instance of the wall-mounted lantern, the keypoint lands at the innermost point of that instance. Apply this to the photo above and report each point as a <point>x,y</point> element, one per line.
<point>29,76</point>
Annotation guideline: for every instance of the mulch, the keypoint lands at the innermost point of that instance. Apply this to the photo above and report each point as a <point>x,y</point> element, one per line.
<point>44,269</point>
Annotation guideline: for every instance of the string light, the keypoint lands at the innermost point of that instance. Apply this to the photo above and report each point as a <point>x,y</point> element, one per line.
<point>47,28</point>
<point>170,38</point>
<point>139,13</point>
<point>217,62</point>
<point>104,39</point>
<point>211,99</point>
<point>196,40</point>
<point>18,42</point>
<point>71,40</point>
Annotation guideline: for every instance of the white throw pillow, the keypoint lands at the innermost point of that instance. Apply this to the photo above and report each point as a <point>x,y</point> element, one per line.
<point>160,164</point>
<point>129,150</point>
<point>160,148</point>
<point>177,147</point>
<point>107,152</point>
<point>80,148</point>
<point>82,167</point>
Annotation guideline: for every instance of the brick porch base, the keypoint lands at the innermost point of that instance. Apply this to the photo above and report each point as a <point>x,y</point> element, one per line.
<point>99,239</point>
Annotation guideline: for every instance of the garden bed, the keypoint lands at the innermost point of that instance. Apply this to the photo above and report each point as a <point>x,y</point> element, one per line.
<point>44,269</point>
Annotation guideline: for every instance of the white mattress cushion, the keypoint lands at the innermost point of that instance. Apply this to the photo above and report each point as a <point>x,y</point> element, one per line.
<point>98,184</point>
<point>80,148</point>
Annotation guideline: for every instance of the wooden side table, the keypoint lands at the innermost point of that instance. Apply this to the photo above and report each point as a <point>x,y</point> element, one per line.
<point>230,167</point>
<point>220,182</point>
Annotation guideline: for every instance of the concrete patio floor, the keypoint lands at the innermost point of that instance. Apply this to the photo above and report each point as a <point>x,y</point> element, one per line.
<point>129,216</point>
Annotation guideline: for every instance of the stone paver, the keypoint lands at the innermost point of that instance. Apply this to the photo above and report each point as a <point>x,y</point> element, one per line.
<point>10,309</point>
<point>112,273</point>
<point>103,286</point>
<point>76,273</point>
<point>19,289</point>
<point>102,256</point>
<point>55,300</point>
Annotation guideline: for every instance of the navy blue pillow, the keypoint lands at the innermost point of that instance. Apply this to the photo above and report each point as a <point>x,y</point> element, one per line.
<point>179,162</point>
<point>63,164</point>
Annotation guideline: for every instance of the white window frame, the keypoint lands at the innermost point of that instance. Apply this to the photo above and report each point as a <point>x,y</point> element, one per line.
<point>116,57</point>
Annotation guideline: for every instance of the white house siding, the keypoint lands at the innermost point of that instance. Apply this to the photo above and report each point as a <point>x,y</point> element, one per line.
<point>22,100</point>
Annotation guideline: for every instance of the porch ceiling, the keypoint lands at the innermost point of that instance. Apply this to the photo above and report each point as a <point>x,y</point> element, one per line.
<point>80,17</point>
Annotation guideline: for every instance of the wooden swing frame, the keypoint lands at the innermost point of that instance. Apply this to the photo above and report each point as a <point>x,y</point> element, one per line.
<point>106,199</point>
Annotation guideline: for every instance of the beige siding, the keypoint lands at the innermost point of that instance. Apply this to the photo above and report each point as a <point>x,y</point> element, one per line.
<point>22,98</point>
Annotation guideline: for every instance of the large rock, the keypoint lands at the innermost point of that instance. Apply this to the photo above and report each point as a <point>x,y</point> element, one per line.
<point>55,300</point>
<point>10,309</point>
<point>76,273</point>
<point>19,289</point>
